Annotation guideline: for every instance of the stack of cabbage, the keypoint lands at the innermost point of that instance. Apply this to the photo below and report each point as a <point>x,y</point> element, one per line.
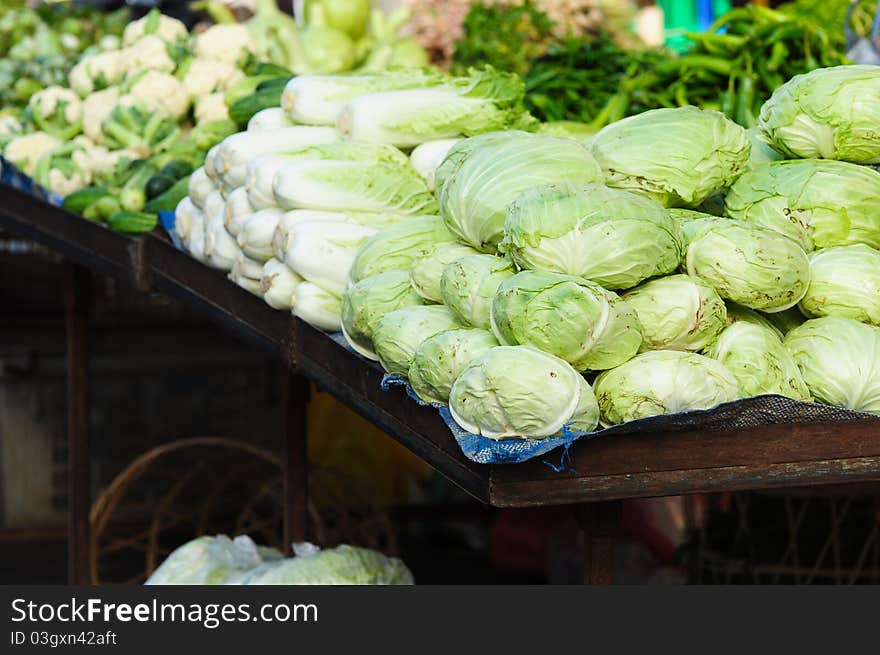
<point>285,205</point>
<point>221,560</point>
<point>564,284</point>
<point>127,101</point>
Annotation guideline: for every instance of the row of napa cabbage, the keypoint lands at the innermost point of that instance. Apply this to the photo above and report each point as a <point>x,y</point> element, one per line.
<point>673,260</point>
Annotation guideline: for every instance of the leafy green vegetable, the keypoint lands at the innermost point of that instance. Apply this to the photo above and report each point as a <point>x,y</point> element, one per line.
<point>750,265</point>
<point>829,113</point>
<point>839,362</point>
<point>613,237</point>
<point>663,382</point>
<point>440,359</point>
<point>566,316</point>
<point>678,156</point>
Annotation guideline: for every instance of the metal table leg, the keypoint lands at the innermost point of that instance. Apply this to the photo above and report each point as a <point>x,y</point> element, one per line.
<point>599,523</point>
<point>78,296</point>
<point>294,400</point>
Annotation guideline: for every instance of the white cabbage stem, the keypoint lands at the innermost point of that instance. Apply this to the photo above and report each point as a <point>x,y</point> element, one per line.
<point>257,230</point>
<point>237,207</point>
<point>317,307</point>
<point>323,252</point>
<point>200,185</point>
<point>278,284</point>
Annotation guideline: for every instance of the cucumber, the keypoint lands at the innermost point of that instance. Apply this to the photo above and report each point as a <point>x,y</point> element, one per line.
<point>242,110</point>
<point>132,222</point>
<point>78,201</point>
<point>158,184</point>
<point>274,83</point>
<point>176,169</point>
<point>169,200</point>
<point>133,195</point>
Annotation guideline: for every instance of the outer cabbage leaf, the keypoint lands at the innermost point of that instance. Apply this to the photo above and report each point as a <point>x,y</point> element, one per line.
<point>567,316</point>
<point>839,359</point>
<point>614,238</point>
<point>519,391</point>
<point>398,246</point>
<point>845,282</point>
<point>679,156</point>
<point>750,265</point>
<point>819,203</point>
<point>366,302</point>
<point>427,269</point>
<point>399,334</point>
<point>343,565</point>
<point>678,312</point>
<point>440,359</point>
<point>832,113</point>
<point>760,363</point>
<point>481,177</point>
<point>663,382</point>
<point>468,285</point>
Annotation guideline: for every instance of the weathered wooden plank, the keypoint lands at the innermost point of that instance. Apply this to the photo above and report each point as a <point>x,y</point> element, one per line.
<point>694,450</point>
<point>670,483</point>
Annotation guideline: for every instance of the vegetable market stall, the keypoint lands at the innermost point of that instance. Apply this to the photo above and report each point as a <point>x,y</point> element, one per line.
<point>596,473</point>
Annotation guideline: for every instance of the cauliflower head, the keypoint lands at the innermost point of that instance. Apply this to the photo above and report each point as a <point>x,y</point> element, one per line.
<point>160,89</point>
<point>231,43</point>
<point>211,107</point>
<point>151,53</point>
<point>24,151</point>
<point>95,109</point>
<point>164,27</point>
<point>63,184</point>
<point>47,101</point>
<point>97,71</point>
<point>205,76</point>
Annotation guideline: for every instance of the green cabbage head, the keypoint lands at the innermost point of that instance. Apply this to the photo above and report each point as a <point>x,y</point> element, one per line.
<point>519,391</point>
<point>817,202</point>
<point>832,113</point>
<point>365,303</point>
<point>468,285</point>
<point>755,355</point>
<point>845,282</point>
<point>482,176</point>
<point>441,359</point>
<point>399,334</point>
<point>567,316</point>
<point>839,359</point>
<point>678,156</point>
<point>663,382</point>
<point>677,312</point>
<point>427,269</point>
<point>750,265</point>
<point>613,237</point>
<point>398,246</point>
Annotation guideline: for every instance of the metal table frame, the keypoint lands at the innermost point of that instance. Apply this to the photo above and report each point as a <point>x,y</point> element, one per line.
<point>600,473</point>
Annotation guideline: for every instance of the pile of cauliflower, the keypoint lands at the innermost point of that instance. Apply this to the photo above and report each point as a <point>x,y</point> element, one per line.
<point>61,139</point>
